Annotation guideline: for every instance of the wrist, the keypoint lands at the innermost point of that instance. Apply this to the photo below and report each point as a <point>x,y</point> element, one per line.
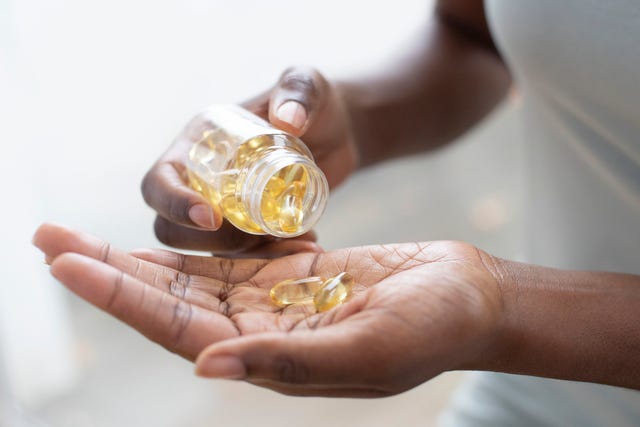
<point>487,350</point>
<point>572,325</point>
<point>500,342</point>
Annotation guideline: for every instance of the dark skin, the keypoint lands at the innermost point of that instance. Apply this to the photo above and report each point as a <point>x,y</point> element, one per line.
<point>407,294</point>
<point>419,308</point>
<point>449,79</point>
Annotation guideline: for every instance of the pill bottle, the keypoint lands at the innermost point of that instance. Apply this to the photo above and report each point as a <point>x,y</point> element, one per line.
<point>264,179</point>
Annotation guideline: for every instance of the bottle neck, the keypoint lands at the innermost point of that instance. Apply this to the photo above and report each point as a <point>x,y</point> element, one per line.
<point>285,192</point>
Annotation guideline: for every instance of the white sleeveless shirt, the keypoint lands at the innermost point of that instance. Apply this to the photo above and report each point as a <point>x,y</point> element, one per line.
<point>577,65</point>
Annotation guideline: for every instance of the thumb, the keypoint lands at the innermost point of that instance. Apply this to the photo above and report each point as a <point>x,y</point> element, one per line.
<point>296,98</point>
<point>334,356</point>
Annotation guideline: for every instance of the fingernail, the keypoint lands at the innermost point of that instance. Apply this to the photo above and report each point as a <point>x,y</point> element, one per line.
<point>293,113</point>
<point>228,367</point>
<point>202,215</point>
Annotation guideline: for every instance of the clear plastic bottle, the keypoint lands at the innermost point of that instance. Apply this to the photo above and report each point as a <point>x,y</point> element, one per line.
<point>264,179</point>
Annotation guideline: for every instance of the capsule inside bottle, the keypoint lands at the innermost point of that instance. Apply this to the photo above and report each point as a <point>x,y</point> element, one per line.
<point>333,292</point>
<point>264,180</point>
<point>291,213</point>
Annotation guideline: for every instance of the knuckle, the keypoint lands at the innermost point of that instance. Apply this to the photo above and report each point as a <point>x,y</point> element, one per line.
<point>298,83</point>
<point>289,370</point>
<point>110,305</point>
<point>104,252</point>
<point>302,80</point>
<point>305,85</point>
<point>160,188</point>
<point>179,285</point>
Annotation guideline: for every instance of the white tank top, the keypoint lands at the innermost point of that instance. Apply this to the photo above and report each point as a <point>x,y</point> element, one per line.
<point>577,65</point>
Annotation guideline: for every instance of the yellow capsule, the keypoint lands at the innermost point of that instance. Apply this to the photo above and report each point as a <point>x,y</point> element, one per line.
<point>291,213</point>
<point>269,207</point>
<point>295,291</point>
<point>333,292</point>
<point>294,173</point>
<point>236,215</point>
<point>275,186</point>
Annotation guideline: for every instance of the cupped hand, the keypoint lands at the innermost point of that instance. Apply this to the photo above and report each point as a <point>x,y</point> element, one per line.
<point>303,103</point>
<point>418,309</point>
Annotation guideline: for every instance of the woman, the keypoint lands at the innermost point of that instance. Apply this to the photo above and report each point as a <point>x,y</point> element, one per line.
<point>435,306</point>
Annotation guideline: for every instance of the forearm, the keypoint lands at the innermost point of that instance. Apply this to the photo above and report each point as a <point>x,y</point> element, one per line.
<point>572,325</point>
<point>451,80</point>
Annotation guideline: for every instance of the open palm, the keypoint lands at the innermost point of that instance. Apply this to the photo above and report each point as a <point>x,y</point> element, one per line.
<point>418,309</point>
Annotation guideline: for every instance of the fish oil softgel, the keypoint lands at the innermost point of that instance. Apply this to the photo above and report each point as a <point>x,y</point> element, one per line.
<point>295,291</point>
<point>324,293</point>
<point>333,292</point>
<point>264,179</point>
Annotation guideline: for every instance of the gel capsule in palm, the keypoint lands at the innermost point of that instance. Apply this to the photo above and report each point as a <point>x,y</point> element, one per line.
<point>333,292</point>
<point>295,291</point>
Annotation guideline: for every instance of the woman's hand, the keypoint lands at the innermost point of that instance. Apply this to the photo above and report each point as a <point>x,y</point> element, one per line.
<point>418,309</point>
<point>303,103</point>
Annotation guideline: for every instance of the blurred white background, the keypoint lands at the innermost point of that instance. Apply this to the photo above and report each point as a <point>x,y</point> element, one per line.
<point>92,92</point>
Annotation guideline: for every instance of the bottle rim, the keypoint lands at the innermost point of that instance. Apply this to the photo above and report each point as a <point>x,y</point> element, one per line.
<point>255,182</point>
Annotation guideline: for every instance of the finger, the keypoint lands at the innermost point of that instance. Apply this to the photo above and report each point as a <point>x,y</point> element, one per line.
<point>345,354</point>
<point>173,323</point>
<point>165,188</point>
<point>297,97</point>
<point>236,285</point>
<point>225,285</point>
<point>324,391</point>
<point>227,240</point>
<point>306,357</point>
<point>53,240</point>
<point>256,273</point>
<point>305,104</point>
<point>200,290</point>
<point>230,270</point>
